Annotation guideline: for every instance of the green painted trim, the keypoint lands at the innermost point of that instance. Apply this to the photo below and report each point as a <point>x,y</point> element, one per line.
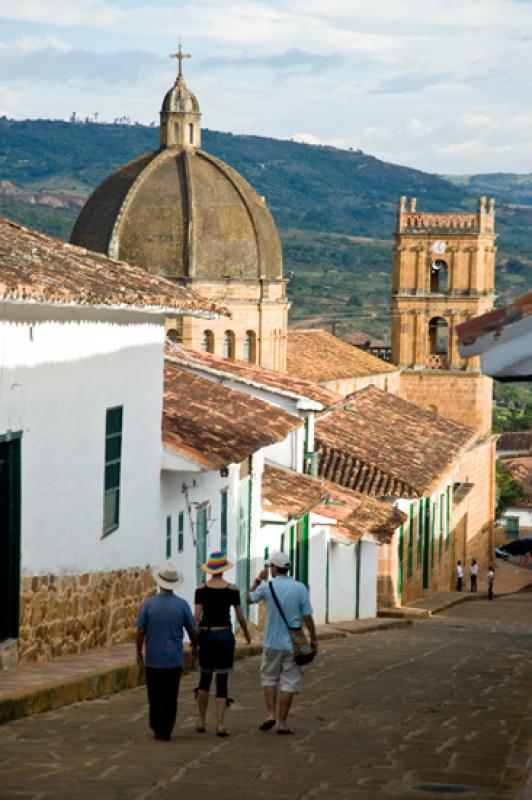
<point>304,550</point>
<point>448,518</point>
<point>410,560</point>
<point>426,543</point>
<point>180,531</point>
<point>168,537</point>
<point>400,559</point>
<point>420,527</point>
<point>432,534</point>
<point>358,552</point>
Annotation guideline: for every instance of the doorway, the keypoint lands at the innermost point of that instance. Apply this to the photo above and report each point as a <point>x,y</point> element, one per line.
<point>9,536</point>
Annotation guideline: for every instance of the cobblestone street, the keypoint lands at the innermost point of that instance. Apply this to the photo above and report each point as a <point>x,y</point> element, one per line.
<point>440,708</point>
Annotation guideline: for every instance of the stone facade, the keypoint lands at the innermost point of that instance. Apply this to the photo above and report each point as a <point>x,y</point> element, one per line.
<point>443,274</point>
<point>68,614</point>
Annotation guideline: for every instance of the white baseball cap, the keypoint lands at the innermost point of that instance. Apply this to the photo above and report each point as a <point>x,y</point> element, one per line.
<point>279,559</point>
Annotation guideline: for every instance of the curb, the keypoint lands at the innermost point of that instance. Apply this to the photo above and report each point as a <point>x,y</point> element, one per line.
<point>91,686</point>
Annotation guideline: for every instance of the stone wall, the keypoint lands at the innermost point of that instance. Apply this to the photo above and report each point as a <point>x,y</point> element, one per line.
<point>67,614</point>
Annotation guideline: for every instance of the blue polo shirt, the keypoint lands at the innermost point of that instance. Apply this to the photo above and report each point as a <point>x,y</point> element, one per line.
<point>162,618</point>
<point>293,598</point>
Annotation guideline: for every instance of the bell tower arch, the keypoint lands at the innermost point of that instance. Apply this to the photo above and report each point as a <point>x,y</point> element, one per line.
<point>443,273</point>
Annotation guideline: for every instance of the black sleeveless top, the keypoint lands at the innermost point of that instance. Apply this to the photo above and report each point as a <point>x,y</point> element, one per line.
<point>216,605</point>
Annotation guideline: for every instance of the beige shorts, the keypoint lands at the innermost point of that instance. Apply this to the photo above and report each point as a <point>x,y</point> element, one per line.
<point>278,668</point>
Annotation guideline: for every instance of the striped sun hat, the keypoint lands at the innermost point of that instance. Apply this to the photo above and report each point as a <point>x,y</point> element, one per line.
<point>216,563</point>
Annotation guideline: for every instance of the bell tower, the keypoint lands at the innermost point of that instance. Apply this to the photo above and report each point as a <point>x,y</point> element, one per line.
<point>443,273</point>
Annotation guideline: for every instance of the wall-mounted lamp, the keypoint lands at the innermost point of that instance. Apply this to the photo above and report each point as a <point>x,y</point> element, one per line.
<point>224,472</point>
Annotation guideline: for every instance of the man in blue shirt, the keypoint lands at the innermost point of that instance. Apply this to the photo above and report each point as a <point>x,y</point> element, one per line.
<point>279,670</point>
<point>160,627</point>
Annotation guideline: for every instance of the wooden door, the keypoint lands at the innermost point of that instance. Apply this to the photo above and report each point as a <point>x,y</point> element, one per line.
<point>9,537</point>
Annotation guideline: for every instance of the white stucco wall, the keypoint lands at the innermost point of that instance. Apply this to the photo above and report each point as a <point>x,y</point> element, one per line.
<point>289,452</point>
<point>342,581</point>
<point>524,514</point>
<point>57,378</point>
<point>368,580</point>
<point>318,571</point>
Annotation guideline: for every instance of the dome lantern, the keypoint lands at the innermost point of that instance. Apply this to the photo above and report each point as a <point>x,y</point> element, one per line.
<point>180,112</point>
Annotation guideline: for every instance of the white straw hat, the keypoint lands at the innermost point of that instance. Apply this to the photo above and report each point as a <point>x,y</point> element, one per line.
<point>167,576</point>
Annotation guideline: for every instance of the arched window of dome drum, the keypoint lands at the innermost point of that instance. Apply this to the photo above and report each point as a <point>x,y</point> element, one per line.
<point>176,132</point>
<point>250,347</point>
<point>191,133</point>
<point>439,273</point>
<point>229,345</point>
<point>207,342</point>
<point>438,336</point>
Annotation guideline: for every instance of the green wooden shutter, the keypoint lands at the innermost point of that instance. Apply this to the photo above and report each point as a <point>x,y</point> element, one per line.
<point>400,556</point>
<point>168,537</point>
<point>113,456</point>
<point>410,564</point>
<point>419,531</point>
<point>180,531</point>
<point>223,523</point>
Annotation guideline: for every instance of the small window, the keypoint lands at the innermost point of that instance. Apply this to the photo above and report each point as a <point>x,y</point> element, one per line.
<point>113,455</point>
<point>191,133</point>
<point>207,342</point>
<point>229,345</point>
<point>168,537</point>
<point>250,347</point>
<point>281,547</point>
<point>180,531</point>
<point>176,132</point>
<point>223,524</point>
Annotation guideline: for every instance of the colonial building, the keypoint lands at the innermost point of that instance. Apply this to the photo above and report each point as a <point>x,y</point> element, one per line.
<point>443,273</point>
<point>438,471</point>
<point>181,213</point>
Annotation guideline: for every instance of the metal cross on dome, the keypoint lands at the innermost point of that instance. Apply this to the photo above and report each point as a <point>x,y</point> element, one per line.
<point>180,57</point>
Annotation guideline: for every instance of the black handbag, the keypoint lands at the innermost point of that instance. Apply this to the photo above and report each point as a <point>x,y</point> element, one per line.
<point>303,652</point>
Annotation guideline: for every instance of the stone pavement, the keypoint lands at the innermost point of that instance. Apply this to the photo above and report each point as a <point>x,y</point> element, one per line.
<point>440,707</point>
<point>43,686</point>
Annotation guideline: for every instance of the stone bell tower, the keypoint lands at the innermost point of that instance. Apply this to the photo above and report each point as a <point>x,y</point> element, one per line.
<point>443,274</point>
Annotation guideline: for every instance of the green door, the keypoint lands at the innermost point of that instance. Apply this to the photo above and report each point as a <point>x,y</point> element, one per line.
<point>302,549</point>
<point>201,542</point>
<point>400,555</point>
<point>243,535</point>
<point>9,537</point>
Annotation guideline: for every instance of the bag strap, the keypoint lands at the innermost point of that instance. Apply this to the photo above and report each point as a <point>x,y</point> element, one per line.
<point>277,603</point>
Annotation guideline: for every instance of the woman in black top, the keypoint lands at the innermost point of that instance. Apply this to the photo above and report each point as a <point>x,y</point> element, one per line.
<point>216,642</point>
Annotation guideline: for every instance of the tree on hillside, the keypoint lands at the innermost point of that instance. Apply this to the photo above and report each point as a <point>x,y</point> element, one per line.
<point>508,492</point>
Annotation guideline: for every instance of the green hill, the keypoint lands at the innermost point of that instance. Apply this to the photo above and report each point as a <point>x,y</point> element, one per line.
<point>335,208</point>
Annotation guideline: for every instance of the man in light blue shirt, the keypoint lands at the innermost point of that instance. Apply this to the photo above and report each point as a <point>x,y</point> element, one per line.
<point>279,670</point>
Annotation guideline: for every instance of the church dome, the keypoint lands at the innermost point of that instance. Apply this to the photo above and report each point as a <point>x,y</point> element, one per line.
<point>180,212</point>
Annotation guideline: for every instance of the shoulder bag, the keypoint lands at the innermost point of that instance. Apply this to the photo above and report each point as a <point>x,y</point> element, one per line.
<point>303,652</point>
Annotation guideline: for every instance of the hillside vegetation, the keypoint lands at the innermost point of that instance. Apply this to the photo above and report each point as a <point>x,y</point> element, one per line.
<point>335,208</point>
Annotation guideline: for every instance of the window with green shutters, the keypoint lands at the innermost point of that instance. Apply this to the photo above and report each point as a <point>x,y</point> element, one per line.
<point>180,531</point>
<point>410,564</point>
<point>113,455</point>
<point>281,548</point>
<point>168,537</point>
<point>223,523</point>
<point>419,531</point>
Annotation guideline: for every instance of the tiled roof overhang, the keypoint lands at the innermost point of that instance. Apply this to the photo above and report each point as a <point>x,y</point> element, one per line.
<point>39,269</point>
<point>318,355</point>
<point>382,445</point>
<point>214,425</point>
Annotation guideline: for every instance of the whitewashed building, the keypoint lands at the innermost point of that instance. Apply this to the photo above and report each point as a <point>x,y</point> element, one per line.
<point>81,384</point>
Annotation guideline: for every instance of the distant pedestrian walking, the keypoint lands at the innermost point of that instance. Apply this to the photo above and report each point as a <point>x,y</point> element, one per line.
<point>280,674</point>
<point>459,576</point>
<point>473,572</point>
<point>491,581</point>
<point>216,642</point>
<point>160,627</point>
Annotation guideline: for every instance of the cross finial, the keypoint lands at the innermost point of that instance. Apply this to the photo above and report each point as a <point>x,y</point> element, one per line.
<point>180,56</point>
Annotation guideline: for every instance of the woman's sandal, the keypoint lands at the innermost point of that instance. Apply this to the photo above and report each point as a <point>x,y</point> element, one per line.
<point>267,725</point>
<point>222,733</point>
<point>285,732</point>
<point>200,728</point>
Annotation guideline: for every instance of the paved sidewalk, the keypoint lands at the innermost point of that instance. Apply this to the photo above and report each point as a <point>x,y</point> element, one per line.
<point>509,578</point>
<point>33,688</point>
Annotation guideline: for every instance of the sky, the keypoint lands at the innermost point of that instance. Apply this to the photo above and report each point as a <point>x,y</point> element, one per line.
<point>441,85</point>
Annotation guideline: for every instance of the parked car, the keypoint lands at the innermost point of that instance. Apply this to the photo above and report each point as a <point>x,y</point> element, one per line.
<point>518,547</point>
<point>501,554</point>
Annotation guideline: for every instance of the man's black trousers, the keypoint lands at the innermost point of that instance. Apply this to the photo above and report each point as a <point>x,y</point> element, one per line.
<point>163,688</point>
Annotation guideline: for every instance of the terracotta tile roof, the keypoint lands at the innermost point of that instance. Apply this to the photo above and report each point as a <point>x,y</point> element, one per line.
<point>382,445</point>
<point>254,374</point>
<point>40,269</point>
<point>318,355</point>
<point>521,469</point>
<point>364,340</point>
<point>361,514</point>
<point>292,495</point>
<point>515,440</point>
<point>215,425</point>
